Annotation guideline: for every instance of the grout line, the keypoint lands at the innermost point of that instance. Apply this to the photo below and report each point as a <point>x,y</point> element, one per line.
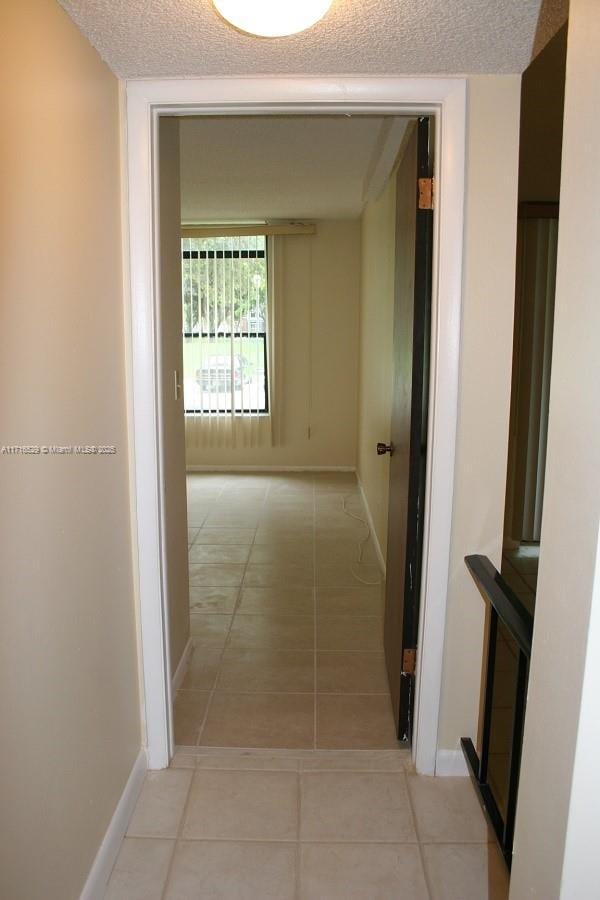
<point>309,841</point>
<point>413,816</point>
<point>177,836</point>
<point>222,654</point>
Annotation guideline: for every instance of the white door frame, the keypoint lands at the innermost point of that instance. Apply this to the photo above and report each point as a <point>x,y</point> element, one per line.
<point>444,98</point>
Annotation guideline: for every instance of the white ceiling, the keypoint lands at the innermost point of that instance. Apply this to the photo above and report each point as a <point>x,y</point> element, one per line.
<point>169,38</point>
<point>277,167</point>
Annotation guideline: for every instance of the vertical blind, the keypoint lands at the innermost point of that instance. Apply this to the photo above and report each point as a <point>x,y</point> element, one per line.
<point>225,315</point>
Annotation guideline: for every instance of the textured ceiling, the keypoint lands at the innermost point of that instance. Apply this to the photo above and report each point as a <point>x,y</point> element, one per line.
<point>253,168</point>
<point>170,38</point>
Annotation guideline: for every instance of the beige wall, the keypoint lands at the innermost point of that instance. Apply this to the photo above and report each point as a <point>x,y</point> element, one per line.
<point>69,704</point>
<point>484,392</point>
<point>172,415</point>
<point>570,521</point>
<point>318,363</point>
<point>376,353</point>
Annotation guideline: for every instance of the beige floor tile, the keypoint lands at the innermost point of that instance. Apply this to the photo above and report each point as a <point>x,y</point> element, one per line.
<point>271,631</point>
<point>209,629</point>
<point>232,871</point>
<point>248,760</point>
<point>360,633</point>
<point>232,518</point>
<point>202,670</point>
<point>225,536</point>
<point>237,493</point>
<point>288,601</point>
<point>295,553</point>
<point>357,761</point>
<point>336,518</point>
<point>197,513</point>
<point>335,553</point>
<point>183,758</point>
<point>338,529</point>
<point>348,575</point>
<point>188,714</point>
<point>141,870</point>
<point>213,599</point>
<point>216,576</point>
<point>355,806</point>
<point>289,520</point>
<point>447,810</point>
<point>351,498</point>
<point>260,720</point>
<point>267,670</point>
<point>219,553</point>
<point>279,575</point>
<point>350,601</point>
<point>465,872</point>
<point>298,499</point>
<point>285,535</point>
<point>192,535</point>
<point>351,673</point>
<point>335,481</point>
<point>242,805</point>
<point>199,486</point>
<point>160,804</point>
<point>351,722</point>
<point>361,872</point>
<point>236,512</point>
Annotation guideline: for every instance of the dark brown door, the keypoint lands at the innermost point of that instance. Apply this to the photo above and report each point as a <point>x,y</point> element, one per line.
<point>414,236</point>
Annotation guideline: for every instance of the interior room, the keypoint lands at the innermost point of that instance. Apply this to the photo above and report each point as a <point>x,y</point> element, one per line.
<point>287,267</point>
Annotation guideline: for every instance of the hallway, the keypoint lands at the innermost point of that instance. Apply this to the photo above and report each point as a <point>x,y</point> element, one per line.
<point>309,794</point>
<point>310,825</point>
<point>286,603</point>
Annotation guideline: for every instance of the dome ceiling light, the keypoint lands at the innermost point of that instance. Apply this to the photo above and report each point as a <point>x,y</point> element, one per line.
<point>272,18</point>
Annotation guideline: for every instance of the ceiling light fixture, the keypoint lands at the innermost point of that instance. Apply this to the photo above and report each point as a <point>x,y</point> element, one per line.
<point>272,18</point>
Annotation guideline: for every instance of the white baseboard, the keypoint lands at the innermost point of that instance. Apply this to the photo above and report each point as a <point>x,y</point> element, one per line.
<point>270,469</point>
<point>182,667</point>
<point>450,762</point>
<point>95,886</point>
<point>374,538</point>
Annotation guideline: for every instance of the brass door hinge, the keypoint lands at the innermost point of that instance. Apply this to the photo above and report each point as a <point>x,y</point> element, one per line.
<point>409,662</point>
<point>426,193</point>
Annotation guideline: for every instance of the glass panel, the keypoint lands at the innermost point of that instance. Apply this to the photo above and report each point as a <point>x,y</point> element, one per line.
<point>503,709</point>
<point>210,374</point>
<point>224,295</point>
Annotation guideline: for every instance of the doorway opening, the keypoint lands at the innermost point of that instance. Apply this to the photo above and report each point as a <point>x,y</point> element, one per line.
<point>288,226</point>
<point>448,106</point>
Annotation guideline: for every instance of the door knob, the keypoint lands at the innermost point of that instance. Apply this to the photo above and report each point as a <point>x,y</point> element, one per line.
<point>382,449</point>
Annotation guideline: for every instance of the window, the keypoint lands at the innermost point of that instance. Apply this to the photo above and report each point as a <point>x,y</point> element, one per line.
<point>225,312</point>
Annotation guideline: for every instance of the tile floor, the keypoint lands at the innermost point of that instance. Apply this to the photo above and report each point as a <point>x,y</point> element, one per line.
<point>288,658</point>
<point>305,825</point>
<point>286,622</point>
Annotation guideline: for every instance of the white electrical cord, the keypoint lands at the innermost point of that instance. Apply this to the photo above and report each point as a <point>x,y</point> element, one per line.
<point>361,544</point>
